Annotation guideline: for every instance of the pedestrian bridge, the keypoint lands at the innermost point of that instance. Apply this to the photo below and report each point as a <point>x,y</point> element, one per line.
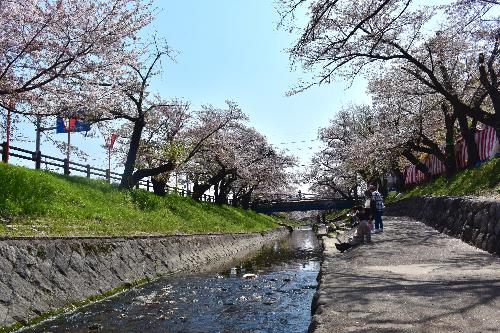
<point>303,205</point>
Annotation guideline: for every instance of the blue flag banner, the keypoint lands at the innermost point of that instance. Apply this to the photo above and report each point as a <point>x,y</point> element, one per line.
<point>65,125</point>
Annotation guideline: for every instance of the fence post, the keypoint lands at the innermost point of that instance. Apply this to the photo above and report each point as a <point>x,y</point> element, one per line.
<point>182,192</point>
<point>108,175</point>
<point>137,185</point>
<point>66,166</point>
<point>88,170</point>
<point>5,152</point>
<point>38,159</point>
<point>204,197</point>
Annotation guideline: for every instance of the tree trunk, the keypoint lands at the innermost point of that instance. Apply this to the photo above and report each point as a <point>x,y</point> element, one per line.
<point>151,172</point>
<point>490,82</point>
<point>382,186</point>
<point>451,161</point>
<point>468,136</point>
<point>221,197</point>
<point>199,190</point>
<point>246,198</point>
<point>158,187</point>
<point>415,161</point>
<point>400,182</point>
<point>127,181</point>
<point>225,188</point>
<point>236,201</point>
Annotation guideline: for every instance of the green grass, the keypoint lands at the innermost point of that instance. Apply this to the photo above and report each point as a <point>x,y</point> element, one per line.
<point>40,203</point>
<point>481,181</point>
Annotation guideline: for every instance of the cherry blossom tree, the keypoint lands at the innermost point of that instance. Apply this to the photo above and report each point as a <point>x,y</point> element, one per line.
<point>413,119</point>
<point>133,102</point>
<point>225,159</point>
<point>338,167</point>
<point>50,48</point>
<point>439,45</point>
<point>267,177</point>
<point>169,135</point>
<point>239,161</point>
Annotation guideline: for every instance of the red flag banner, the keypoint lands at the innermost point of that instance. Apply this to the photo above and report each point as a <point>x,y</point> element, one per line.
<point>110,141</point>
<point>486,141</point>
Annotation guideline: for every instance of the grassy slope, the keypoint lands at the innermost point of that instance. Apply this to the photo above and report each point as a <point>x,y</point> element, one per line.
<point>36,202</point>
<point>481,181</point>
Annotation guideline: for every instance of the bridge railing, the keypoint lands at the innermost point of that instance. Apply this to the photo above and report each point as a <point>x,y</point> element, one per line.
<point>305,205</point>
<point>308,197</point>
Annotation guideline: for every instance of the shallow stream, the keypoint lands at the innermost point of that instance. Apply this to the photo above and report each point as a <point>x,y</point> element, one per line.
<point>270,291</point>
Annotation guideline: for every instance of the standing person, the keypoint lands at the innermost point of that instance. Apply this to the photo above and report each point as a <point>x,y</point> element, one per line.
<point>370,206</point>
<point>379,208</point>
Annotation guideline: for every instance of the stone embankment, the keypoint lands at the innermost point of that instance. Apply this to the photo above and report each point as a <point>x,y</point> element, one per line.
<point>40,276</point>
<point>474,220</point>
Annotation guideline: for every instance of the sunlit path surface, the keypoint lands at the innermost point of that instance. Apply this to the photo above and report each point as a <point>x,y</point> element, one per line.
<point>411,278</point>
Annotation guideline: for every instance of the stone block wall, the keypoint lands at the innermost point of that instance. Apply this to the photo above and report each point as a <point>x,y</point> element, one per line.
<point>40,275</point>
<point>474,220</point>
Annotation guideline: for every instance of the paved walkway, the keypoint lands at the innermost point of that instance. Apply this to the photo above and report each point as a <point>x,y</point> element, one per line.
<point>410,279</point>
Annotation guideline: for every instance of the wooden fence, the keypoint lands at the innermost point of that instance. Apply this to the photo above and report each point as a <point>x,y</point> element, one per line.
<point>68,167</point>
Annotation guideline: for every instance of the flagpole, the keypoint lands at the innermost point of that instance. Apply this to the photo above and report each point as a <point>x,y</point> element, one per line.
<point>38,133</point>
<point>69,139</point>
<point>109,161</point>
<point>9,107</point>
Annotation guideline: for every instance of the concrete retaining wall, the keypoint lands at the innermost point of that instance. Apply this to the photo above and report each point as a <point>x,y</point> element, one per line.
<point>40,275</point>
<point>475,221</point>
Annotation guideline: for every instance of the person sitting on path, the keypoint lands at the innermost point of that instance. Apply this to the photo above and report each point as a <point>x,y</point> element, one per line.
<point>364,230</point>
<point>378,208</point>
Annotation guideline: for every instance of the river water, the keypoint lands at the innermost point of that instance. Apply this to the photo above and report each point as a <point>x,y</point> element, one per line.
<point>277,299</point>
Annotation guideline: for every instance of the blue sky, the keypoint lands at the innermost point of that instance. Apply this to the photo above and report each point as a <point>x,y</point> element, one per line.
<point>231,49</point>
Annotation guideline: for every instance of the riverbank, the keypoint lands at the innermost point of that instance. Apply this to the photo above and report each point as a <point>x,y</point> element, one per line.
<point>268,291</point>
<point>41,203</point>
<point>42,277</point>
<point>410,279</point>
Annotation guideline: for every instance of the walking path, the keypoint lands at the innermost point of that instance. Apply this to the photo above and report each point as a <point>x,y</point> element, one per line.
<point>410,278</point>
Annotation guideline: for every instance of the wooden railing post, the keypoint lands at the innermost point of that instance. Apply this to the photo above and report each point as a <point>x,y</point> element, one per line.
<point>204,197</point>
<point>108,175</point>
<point>38,159</point>
<point>147,185</point>
<point>66,166</point>
<point>137,185</point>
<point>5,152</point>
<point>182,192</point>
<point>88,170</point>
